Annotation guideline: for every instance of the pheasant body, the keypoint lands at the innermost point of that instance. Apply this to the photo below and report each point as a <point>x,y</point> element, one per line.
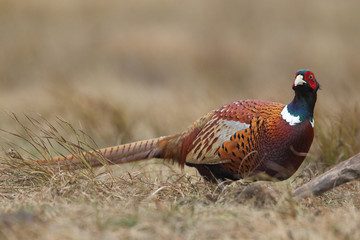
<point>246,137</point>
<point>239,139</point>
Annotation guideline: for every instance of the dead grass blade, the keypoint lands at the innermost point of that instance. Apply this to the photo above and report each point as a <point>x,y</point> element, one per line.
<point>45,141</point>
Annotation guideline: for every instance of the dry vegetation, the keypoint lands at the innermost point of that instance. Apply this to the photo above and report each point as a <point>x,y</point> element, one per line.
<point>120,71</point>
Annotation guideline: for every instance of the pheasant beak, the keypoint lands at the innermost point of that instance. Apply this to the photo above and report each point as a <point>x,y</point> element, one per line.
<point>299,80</point>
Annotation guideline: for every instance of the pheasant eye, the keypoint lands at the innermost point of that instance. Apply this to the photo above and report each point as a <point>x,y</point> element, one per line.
<point>311,77</point>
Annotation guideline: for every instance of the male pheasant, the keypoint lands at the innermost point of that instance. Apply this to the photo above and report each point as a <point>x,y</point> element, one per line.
<point>239,139</point>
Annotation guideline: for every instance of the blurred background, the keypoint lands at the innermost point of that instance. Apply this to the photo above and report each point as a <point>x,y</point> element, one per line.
<point>131,70</point>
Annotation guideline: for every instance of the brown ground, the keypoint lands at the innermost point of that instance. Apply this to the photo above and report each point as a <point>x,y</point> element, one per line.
<point>128,70</point>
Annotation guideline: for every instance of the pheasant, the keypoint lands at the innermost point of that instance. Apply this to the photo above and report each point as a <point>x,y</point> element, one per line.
<point>239,139</point>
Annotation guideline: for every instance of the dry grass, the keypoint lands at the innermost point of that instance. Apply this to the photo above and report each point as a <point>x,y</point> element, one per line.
<point>121,71</point>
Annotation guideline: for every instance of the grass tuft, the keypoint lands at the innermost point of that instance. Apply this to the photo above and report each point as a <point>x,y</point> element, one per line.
<point>337,138</point>
<point>44,140</point>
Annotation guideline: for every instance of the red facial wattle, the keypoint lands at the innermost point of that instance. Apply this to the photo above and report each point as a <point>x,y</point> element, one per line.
<point>310,78</point>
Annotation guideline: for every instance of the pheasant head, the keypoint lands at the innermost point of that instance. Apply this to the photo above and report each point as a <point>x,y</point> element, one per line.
<point>305,79</point>
<point>302,106</point>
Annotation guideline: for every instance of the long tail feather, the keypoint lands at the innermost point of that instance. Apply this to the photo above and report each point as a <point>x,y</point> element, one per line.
<point>125,153</point>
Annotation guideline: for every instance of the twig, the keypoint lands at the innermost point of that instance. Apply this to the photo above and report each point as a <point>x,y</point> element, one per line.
<point>344,172</point>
